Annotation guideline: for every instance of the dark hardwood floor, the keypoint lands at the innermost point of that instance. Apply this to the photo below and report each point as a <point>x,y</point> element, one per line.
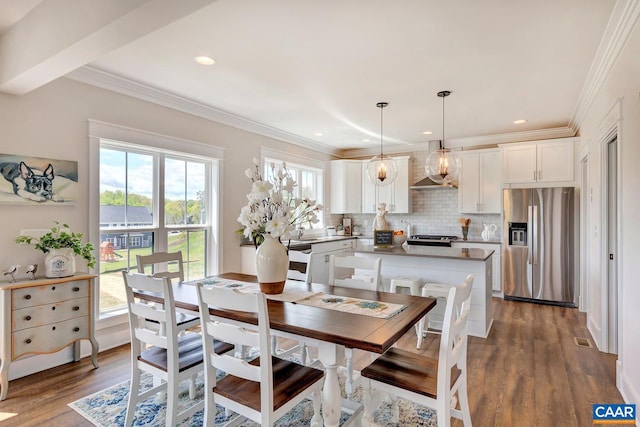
<point>528,372</point>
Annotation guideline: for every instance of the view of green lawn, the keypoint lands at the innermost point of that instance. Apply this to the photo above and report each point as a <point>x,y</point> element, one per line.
<point>112,294</point>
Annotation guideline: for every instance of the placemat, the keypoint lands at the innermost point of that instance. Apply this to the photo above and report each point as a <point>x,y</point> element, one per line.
<point>289,295</point>
<point>381,310</point>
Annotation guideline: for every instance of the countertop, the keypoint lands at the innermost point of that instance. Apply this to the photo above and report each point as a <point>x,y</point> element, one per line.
<point>462,254</point>
<point>301,244</point>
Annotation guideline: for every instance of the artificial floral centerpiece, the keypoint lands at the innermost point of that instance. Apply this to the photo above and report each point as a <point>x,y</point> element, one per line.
<point>271,215</point>
<point>61,237</point>
<point>272,209</point>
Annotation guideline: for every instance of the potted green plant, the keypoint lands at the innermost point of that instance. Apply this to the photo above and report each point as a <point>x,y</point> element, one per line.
<point>61,245</point>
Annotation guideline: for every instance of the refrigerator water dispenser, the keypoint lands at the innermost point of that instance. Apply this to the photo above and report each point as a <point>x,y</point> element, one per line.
<point>517,234</point>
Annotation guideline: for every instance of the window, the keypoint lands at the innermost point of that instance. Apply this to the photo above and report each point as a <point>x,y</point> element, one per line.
<point>151,198</point>
<point>309,183</point>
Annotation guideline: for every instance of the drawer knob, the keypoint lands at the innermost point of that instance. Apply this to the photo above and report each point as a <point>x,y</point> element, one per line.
<point>27,318</point>
<point>53,308</point>
<point>27,296</point>
<point>53,288</point>
<point>76,329</point>
<point>28,340</point>
<point>76,308</point>
<point>76,289</point>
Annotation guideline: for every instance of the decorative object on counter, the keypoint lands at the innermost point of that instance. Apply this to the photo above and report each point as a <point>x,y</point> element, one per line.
<point>443,165</point>
<point>346,223</point>
<point>11,272</point>
<point>272,264</point>
<point>272,207</point>
<point>465,222</point>
<point>383,238</point>
<point>60,246</point>
<point>380,222</point>
<point>331,230</point>
<point>399,237</point>
<point>340,230</point>
<point>489,232</point>
<point>356,230</point>
<point>382,170</point>
<point>32,269</point>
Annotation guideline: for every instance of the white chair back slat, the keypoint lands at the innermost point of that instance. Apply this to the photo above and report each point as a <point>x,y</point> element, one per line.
<point>300,257</point>
<point>233,334</point>
<point>148,312</point>
<point>151,337</point>
<point>364,272</point>
<point>236,367</point>
<point>162,264</point>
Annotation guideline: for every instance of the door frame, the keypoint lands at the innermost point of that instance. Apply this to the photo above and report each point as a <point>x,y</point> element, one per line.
<point>609,130</point>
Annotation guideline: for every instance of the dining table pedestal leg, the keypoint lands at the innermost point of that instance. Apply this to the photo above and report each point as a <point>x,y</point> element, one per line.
<point>331,355</point>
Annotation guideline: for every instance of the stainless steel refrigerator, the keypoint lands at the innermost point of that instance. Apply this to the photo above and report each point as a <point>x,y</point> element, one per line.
<point>538,245</point>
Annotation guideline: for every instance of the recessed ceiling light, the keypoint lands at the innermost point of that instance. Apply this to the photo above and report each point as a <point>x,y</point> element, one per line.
<point>519,121</point>
<point>366,140</point>
<point>427,132</point>
<point>204,60</point>
<point>318,134</point>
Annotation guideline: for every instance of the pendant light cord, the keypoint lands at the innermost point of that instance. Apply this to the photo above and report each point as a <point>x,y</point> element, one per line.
<point>442,143</point>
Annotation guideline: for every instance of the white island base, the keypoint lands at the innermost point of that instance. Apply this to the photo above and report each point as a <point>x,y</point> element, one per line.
<point>443,265</point>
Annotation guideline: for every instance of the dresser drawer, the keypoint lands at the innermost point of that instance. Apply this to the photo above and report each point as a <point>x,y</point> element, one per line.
<point>31,317</point>
<point>47,294</point>
<point>49,338</point>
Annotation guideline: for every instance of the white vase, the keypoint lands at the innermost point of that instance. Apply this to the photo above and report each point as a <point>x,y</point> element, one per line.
<point>60,263</point>
<point>272,264</point>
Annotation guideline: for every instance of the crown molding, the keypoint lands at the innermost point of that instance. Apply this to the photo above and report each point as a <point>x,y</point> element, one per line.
<point>105,80</point>
<point>620,26</point>
<point>474,141</point>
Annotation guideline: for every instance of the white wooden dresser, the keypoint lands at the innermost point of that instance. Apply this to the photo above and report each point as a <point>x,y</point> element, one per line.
<point>44,316</point>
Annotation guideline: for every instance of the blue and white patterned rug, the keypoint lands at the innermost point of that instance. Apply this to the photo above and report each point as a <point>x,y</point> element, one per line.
<point>107,408</point>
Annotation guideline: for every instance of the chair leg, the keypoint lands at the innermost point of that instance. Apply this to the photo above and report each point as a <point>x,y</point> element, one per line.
<point>192,387</point>
<point>464,402</point>
<point>134,389</point>
<point>348,386</point>
<point>443,412</point>
<point>303,354</point>
<point>172,405</point>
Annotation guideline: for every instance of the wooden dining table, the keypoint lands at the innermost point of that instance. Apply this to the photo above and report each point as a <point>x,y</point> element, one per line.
<point>330,331</point>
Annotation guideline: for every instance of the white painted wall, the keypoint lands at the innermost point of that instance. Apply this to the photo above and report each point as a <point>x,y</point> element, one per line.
<point>623,83</point>
<point>52,122</point>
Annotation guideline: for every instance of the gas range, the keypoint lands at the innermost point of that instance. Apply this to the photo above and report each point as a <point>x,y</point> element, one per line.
<point>430,240</point>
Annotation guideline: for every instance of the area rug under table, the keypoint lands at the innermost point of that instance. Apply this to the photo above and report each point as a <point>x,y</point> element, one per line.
<point>107,408</point>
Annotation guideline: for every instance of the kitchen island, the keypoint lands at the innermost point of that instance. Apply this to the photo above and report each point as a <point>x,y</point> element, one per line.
<point>446,265</point>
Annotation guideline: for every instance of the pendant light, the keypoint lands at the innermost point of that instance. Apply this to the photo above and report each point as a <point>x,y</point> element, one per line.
<point>382,170</point>
<point>443,165</point>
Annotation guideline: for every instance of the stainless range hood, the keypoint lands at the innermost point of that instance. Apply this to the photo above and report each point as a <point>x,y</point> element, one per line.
<point>427,183</point>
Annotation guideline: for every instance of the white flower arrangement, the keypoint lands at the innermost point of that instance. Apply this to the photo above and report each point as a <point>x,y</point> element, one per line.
<point>271,207</point>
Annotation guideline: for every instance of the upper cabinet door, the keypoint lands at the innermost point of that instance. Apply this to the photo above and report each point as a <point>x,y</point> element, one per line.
<point>396,195</point>
<point>479,187</point>
<point>519,163</point>
<point>555,161</point>
<point>346,186</point>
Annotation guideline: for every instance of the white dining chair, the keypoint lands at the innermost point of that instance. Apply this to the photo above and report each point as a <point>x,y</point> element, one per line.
<point>168,357</point>
<point>427,381</point>
<point>354,272</point>
<point>171,266</point>
<point>264,389</point>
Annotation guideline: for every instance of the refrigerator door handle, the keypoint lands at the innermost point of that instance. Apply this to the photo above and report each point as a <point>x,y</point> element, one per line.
<point>529,232</point>
<point>535,235</point>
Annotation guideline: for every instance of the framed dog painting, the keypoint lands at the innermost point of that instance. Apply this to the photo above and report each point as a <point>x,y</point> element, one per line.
<point>37,181</point>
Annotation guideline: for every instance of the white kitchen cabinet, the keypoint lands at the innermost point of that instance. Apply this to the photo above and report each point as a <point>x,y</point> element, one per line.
<point>396,195</point>
<point>496,260</point>
<point>539,162</point>
<point>346,186</point>
<point>479,185</point>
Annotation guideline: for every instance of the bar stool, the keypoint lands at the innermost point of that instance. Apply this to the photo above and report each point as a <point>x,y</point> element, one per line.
<point>435,317</point>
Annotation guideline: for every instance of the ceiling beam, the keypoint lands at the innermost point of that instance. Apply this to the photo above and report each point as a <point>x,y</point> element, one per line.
<point>59,36</point>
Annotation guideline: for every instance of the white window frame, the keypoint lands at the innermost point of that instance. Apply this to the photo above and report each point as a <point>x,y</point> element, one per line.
<point>100,132</point>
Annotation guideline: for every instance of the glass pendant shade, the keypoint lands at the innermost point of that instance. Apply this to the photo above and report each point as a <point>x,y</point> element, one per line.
<point>382,170</point>
<point>443,166</point>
